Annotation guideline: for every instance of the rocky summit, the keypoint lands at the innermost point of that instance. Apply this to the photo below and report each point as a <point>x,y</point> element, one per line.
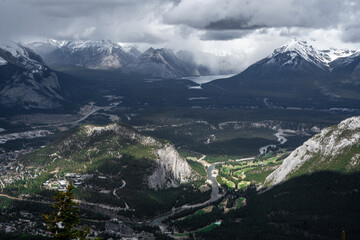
<point>160,63</point>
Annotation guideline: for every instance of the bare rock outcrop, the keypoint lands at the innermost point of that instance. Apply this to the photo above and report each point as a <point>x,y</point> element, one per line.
<point>321,151</point>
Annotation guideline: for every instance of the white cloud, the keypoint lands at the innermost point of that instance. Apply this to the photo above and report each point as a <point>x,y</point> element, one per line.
<point>248,30</point>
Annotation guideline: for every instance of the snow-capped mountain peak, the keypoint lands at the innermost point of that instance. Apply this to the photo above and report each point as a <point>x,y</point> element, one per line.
<point>132,50</point>
<point>295,48</point>
<point>93,54</point>
<point>289,55</point>
<point>17,54</point>
<point>50,42</point>
<point>99,45</point>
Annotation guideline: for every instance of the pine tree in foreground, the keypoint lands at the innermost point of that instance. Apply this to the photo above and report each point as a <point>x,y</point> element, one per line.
<point>63,221</point>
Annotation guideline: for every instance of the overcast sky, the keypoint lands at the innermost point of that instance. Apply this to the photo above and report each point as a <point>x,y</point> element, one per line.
<point>246,29</point>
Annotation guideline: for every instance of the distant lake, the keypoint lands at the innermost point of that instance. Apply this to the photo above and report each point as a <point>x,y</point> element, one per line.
<point>206,79</point>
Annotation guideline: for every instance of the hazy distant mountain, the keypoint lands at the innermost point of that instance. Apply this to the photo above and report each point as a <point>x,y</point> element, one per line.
<point>161,63</point>
<point>188,58</point>
<point>100,54</point>
<point>106,55</point>
<point>26,81</point>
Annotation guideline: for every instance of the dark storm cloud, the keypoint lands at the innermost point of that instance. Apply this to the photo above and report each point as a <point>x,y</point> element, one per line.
<point>82,8</point>
<point>239,14</point>
<point>223,15</point>
<point>120,20</point>
<point>158,21</point>
<point>231,24</point>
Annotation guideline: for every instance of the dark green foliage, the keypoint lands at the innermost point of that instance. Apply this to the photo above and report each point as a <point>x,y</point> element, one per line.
<point>22,236</point>
<point>62,222</point>
<point>192,197</point>
<point>317,206</point>
<point>149,203</point>
<point>198,221</point>
<point>259,175</point>
<point>198,167</point>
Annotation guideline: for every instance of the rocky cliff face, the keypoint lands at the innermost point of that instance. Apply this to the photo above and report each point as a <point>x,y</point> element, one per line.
<point>171,170</point>
<point>336,148</point>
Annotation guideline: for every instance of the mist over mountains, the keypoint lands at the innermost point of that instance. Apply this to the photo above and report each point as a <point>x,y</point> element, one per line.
<point>106,55</point>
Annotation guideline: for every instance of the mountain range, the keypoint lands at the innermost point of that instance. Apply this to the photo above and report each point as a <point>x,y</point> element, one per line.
<point>295,57</point>
<point>294,75</point>
<point>100,54</point>
<point>106,55</point>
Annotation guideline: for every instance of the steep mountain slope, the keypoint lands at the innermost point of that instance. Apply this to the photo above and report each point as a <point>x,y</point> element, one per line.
<point>100,54</point>
<point>26,81</point>
<point>133,50</point>
<point>336,148</point>
<point>296,70</point>
<point>161,63</point>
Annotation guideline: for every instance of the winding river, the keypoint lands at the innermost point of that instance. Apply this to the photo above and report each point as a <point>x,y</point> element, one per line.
<point>211,179</point>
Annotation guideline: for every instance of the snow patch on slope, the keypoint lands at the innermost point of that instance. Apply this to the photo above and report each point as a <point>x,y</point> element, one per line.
<point>17,54</point>
<point>321,58</point>
<point>2,61</point>
<point>92,54</point>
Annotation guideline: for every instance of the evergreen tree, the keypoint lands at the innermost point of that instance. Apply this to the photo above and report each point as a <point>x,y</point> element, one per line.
<point>62,222</point>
